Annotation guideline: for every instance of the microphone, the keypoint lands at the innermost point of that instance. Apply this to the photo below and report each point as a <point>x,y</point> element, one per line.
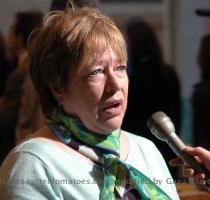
<point>203,12</point>
<point>162,127</point>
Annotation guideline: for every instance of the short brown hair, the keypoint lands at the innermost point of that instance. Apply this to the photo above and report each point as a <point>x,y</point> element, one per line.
<point>68,41</point>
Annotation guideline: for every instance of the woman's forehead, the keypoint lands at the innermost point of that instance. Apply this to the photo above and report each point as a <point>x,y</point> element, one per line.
<point>108,55</point>
<point>100,48</point>
<point>105,48</point>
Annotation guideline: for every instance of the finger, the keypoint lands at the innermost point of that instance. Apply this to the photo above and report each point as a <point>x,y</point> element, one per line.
<point>194,182</point>
<point>200,176</point>
<point>176,162</point>
<point>198,151</point>
<point>188,172</point>
<point>201,155</point>
<point>199,180</point>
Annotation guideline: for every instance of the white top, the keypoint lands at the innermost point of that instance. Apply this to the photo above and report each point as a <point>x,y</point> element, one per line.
<point>38,170</point>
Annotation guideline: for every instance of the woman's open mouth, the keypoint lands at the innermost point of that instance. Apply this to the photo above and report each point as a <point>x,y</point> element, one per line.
<point>113,108</point>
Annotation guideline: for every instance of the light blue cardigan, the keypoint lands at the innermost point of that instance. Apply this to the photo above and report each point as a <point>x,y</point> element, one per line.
<point>38,170</point>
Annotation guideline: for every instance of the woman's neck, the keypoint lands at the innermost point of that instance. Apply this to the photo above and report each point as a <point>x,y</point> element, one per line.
<point>47,135</point>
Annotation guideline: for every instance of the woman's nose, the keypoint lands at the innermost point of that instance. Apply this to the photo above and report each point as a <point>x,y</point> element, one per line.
<point>112,83</point>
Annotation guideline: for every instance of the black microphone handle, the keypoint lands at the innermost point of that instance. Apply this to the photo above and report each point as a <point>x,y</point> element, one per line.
<point>189,160</point>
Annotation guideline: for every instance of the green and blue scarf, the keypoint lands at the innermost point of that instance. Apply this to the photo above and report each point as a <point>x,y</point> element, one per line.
<point>115,170</point>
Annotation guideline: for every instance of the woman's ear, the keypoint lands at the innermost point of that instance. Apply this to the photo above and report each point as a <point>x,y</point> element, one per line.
<point>57,93</point>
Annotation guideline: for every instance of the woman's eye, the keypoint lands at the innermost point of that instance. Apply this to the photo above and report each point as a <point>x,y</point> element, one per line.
<point>96,72</point>
<point>121,68</point>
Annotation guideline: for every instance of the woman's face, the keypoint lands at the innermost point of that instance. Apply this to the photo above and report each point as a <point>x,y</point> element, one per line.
<point>98,94</point>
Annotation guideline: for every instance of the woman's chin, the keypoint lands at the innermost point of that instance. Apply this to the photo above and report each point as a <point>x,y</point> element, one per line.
<point>104,126</point>
<point>111,125</point>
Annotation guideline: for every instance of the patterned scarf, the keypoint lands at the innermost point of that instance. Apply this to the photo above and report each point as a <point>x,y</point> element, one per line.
<point>114,169</point>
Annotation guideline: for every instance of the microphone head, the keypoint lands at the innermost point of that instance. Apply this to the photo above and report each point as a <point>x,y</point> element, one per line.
<point>160,125</point>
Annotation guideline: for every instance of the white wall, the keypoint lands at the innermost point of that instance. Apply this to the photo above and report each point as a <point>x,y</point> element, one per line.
<point>191,29</point>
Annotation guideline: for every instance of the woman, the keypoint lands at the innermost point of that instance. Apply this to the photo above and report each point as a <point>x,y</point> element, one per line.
<point>78,66</point>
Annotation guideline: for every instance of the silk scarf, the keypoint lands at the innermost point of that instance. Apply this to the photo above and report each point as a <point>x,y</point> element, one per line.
<point>114,169</point>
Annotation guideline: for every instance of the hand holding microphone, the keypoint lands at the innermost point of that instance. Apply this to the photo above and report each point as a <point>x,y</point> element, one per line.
<point>202,156</point>
<point>162,127</point>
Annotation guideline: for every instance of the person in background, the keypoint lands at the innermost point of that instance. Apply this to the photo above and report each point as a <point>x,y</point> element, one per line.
<point>201,97</point>
<point>77,61</point>
<point>5,66</point>
<point>61,4</point>
<point>154,85</point>
<point>22,25</point>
